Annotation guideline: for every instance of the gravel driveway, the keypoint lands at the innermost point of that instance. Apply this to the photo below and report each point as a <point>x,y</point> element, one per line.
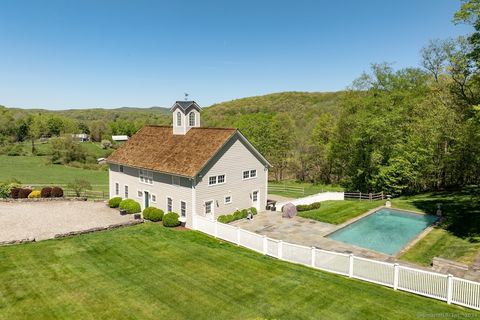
<point>43,220</point>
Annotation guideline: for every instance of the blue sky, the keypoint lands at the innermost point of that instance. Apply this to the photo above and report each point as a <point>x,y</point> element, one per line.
<point>75,54</point>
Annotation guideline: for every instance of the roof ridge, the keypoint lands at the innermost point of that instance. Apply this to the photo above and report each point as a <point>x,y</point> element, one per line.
<point>163,126</point>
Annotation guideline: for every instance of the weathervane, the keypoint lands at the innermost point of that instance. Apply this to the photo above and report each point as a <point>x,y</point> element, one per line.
<point>186,96</point>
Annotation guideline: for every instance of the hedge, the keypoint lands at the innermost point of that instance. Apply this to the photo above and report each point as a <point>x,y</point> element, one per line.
<point>237,215</point>
<point>153,214</point>
<point>171,219</point>
<point>46,192</point>
<point>130,206</point>
<point>34,194</point>
<point>57,192</point>
<point>23,193</point>
<point>6,188</point>
<point>307,207</point>
<point>114,202</point>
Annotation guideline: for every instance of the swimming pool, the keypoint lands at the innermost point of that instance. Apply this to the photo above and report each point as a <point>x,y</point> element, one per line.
<point>386,230</point>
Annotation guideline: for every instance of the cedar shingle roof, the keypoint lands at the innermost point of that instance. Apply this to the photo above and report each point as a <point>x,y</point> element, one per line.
<point>157,148</point>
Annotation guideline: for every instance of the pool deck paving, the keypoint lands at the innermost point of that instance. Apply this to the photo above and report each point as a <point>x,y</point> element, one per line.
<point>305,232</point>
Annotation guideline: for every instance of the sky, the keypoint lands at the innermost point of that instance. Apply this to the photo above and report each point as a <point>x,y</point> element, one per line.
<point>60,54</point>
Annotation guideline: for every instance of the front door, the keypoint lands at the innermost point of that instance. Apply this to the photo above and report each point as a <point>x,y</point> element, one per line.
<point>147,198</point>
<point>255,201</point>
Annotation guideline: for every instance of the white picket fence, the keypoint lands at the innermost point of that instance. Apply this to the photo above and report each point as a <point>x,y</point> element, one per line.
<point>430,284</point>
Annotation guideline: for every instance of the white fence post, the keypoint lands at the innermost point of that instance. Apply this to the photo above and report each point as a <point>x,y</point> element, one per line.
<point>265,244</point>
<point>350,268</point>
<point>238,236</point>
<point>280,249</point>
<point>449,288</point>
<point>215,228</point>
<point>313,257</point>
<point>395,276</point>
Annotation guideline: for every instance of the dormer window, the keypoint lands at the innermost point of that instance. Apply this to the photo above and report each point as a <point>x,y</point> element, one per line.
<point>191,119</point>
<point>179,119</point>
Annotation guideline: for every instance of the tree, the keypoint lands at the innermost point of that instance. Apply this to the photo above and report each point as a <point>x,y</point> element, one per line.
<point>79,186</point>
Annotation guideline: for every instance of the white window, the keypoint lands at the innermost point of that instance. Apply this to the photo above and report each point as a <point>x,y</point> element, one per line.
<point>179,119</point>
<point>121,169</point>
<point>228,199</point>
<point>117,189</point>
<point>140,194</point>
<point>213,180</point>
<point>154,198</point>
<point>191,119</point>
<point>208,207</point>
<point>249,174</point>
<point>176,180</point>
<point>183,208</point>
<point>126,192</point>
<point>255,196</point>
<point>145,176</point>
<point>169,205</point>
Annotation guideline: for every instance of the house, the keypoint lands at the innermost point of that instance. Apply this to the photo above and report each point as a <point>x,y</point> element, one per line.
<point>121,138</point>
<point>82,137</point>
<point>189,169</point>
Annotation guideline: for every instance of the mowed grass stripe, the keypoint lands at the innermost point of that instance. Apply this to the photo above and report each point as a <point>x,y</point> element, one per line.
<point>150,272</point>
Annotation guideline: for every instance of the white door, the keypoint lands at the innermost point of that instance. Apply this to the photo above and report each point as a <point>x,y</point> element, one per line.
<point>255,200</point>
<point>209,209</point>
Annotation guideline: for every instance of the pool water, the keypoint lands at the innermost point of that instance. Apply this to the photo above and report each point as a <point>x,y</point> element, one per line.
<point>386,230</point>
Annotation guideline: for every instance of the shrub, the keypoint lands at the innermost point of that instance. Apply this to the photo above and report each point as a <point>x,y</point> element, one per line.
<point>46,192</point>
<point>34,194</point>
<point>253,210</point>
<point>153,214</point>
<point>6,187</point>
<point>130,206</point>
<point>225,218</point>
<point>14,192</point>
<point>114,202</point>
<point>23,193</point>
<point>57,192</point>
<point>307,207</point>
<point>171,219</point>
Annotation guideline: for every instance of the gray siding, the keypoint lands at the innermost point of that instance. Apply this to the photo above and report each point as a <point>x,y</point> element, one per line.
<point>234,158</point>
<point>162,188</point>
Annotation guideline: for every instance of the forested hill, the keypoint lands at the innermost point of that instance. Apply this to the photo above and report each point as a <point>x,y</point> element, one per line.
<point>300,105</point>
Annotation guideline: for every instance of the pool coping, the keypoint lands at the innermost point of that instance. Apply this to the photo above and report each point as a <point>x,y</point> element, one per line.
<point>405,248</point>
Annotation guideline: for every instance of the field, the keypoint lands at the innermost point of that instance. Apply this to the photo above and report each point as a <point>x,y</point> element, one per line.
<point>150,272</point>
<point>36,170</point>
<point>338,212</point>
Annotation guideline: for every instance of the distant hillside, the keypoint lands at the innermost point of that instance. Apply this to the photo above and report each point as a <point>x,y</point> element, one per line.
<point>299,105</point>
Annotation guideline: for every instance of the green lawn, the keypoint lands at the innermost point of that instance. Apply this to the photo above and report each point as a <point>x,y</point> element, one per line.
<point>338,212</point>
<point>293,189</point>
<point>37,170</point>
<point>150,272</point>
<point>457,238</point>
<point>441,243</point>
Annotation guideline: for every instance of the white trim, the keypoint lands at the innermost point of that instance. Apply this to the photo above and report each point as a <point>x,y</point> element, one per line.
<point>151,197</point>
<point>225,199</point>
<point>212,208</point>
<point>216,180</point>
<point>180,213</point>
<point>256,204</point>
<point>142,192</point>
<point>115,184</point>
<point>249,174</point>
<point>166,204</point>
<point>126,191</point>
<point>190,120</point>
